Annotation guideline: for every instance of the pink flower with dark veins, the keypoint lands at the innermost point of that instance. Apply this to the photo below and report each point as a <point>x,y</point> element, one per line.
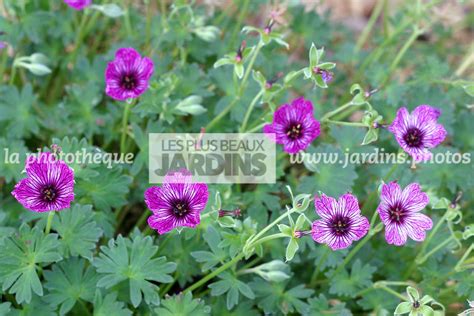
<point>177,203</point>
<point>419,131</point>
<point>294,126</point>
<point>400,212</point>
<point>128,75</point>
<point>49,185</point>
<point>341,221</point>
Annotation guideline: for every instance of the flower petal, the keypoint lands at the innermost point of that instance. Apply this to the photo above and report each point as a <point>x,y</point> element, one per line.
<point>391,193</point>
<point>320,231</point>
<point>395,234</point>
<point>359,227</point>
<point>348,205</point>
<point>325,206</point>
<point>424,114</point>
<point>413,199</point>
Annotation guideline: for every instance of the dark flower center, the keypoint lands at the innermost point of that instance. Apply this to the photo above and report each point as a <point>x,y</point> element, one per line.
<point>49,193</point>
<point>416,304</point>
<point>180,209</point>
<point>340,225</point>
<point>294,131</point>
<point>128,81</point>
<point>413,137</point>
<point>397,213</point>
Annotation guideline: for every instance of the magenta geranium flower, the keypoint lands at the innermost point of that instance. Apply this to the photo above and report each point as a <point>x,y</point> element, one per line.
<point>127,76</point>
<point>418,131</point>
<point>78,4</point>
<point>294,125</point>
<point>341,222</point>
<point>400,212</point>
<point>49,185</point>
<point>177,203</point>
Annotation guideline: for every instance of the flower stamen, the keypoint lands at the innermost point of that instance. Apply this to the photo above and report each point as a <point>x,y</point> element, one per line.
<point>414,137</point>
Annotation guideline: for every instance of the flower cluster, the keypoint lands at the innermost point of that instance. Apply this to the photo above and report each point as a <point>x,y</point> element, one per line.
<point>295,127</point>
<point>341,221</point>
<point>49,185</point>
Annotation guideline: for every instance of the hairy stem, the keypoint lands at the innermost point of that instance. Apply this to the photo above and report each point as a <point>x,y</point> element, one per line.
<point>250,66</point>
<point>459,265</point>
<point>416,32</point>
<point>251,242</point>
<point>126,113</point>
<point>425,245</point>
<point>49,222</point>
<point>214,273</point>
<point>272,224</point>
<point>249,111</point>
<point>434,250</point>
<point>467,61</point>
<point>314,276</point>
<point>393,292</point>
<point>79,36</point>
<point>370,24</point>
<point>240,90</point>
<point>336,111</point>
<point>355,124</point>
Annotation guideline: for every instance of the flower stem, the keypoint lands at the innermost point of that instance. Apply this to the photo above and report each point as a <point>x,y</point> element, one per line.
<point>256,128</point>
<point>314,277</point>
<point>339,109</point>
<point>126,17</point>
<point>79,36</point>
<point>230,263</point>
<point>250,66</point>
<point>433,233</point>
<point>169,285</point>
<point>269,237</point>
<point>370,24</point>
<point>459,266</point>
<point>12,74</point>
<point>468,60</point>
<point>393,292</point>
<point>214,273</point>
<point>126,113</point>
<point>353,252</point>
<point>263,231</point>
<point>425,245</point>
<point>355,124</point>
<point>222,114</point>
<point>49,222</point>
<point>251,242</point>
<point>142,219</point>
<point>249,111</point>
<point>240,90</point>
<point>243,11</point>
<point>401,53</point>
<point>434,250</point>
